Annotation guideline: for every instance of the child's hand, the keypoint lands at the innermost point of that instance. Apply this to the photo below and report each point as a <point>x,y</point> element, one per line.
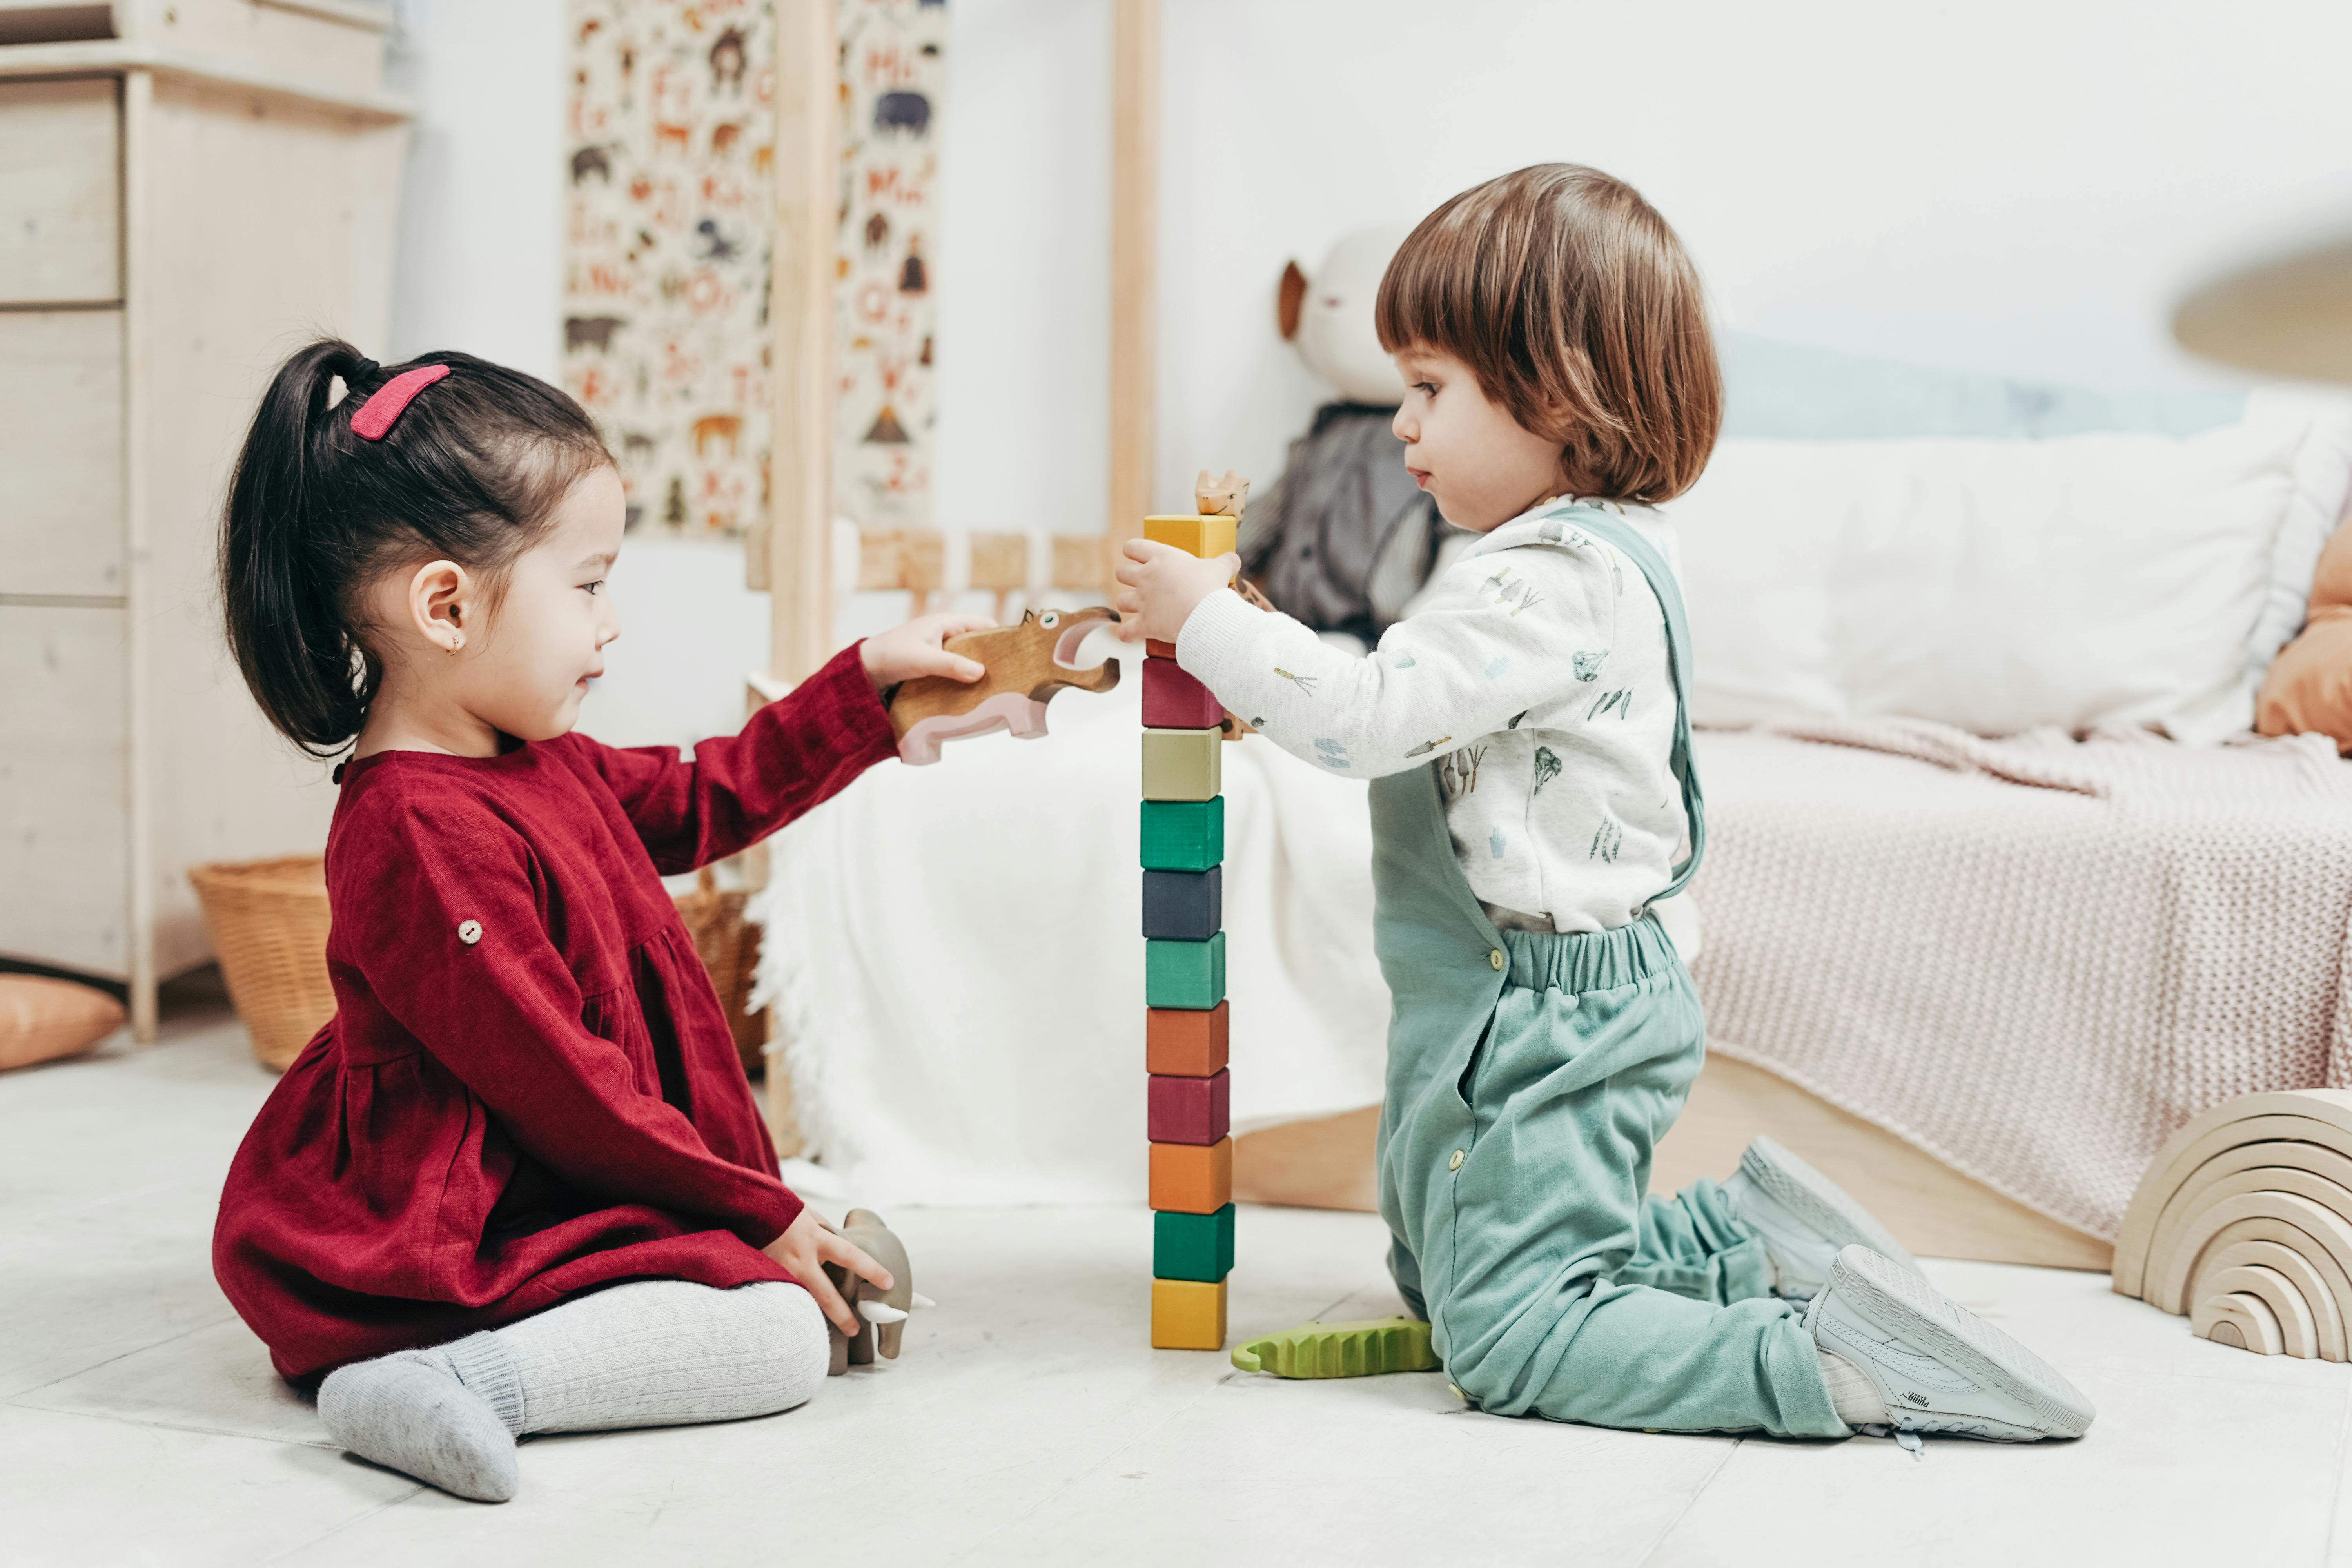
<point>1163,585</point>
<point>905,652</point>
<point>809,1244</point>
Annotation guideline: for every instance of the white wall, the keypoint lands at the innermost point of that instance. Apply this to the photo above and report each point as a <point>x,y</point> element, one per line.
<point>481,232</point>
<point>2013,188</point>
<point>2016,188</point>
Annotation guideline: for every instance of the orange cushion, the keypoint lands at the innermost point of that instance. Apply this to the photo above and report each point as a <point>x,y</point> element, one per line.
<point>2308,691</point>
<point>41,1018</point>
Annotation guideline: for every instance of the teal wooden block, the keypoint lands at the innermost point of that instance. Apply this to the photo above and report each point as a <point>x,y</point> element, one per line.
<point>1192,1246</point>
<point>1184,973</point>
<point>1183,834</point>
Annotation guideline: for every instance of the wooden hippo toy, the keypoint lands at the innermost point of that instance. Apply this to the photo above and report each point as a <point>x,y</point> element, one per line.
<point>885,1311</point>
<point>1027,662</point>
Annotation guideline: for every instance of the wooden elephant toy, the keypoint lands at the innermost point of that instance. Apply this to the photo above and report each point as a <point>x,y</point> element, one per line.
<point>884,1311</point>
<point>1027,662</point>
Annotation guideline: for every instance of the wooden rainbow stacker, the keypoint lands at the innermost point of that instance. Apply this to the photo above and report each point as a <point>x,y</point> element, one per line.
<point>1184,965</point>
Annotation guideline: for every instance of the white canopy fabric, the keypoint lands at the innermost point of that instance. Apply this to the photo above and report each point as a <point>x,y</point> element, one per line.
<point>957,954</point>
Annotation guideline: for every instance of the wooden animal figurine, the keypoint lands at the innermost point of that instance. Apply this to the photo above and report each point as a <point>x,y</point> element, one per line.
<point>885,1311</point>
<point>1027,663</point>
<point>1219,498</point>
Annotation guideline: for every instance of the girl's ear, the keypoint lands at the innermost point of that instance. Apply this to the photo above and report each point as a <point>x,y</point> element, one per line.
<point>440,603</point>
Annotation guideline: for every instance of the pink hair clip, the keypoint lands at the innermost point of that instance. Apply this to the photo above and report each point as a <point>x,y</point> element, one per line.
<point>374,419</point>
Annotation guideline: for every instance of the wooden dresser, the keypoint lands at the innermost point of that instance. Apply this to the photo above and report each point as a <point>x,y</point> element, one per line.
<point>188,191</point>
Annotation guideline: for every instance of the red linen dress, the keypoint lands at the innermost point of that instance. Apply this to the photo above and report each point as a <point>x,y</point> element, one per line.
<point>528,1090</point>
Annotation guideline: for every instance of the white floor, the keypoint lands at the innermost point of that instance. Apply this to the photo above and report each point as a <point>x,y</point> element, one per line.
<point>1026,1423</point>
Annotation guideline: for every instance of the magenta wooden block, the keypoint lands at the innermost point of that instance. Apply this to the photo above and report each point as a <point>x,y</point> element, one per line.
<point>1190,1109</point>
<point>1175,700</point>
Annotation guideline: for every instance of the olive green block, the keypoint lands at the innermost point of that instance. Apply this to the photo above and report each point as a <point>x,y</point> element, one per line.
<point>1184,973</point>
<point>1192,1246</point>
<point>1181,764</point>
<point>1183,834</point>
<point>1340,1350</point>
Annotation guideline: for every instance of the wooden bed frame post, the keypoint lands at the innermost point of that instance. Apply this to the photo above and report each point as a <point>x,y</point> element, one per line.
<point>1134,262</point>
<point>799,535</point>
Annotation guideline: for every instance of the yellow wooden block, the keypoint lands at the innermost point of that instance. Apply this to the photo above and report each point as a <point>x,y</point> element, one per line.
<point>1181,764</point>
<point>1188,1315</point>
<point>1206,537</point>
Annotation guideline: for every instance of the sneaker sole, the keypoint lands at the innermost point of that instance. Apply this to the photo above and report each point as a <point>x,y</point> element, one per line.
<point>1818,1201</point>
<point>1906,1305</point>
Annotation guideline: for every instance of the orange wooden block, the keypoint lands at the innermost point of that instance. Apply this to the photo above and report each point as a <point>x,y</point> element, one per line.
<point>1185,1042</point>
<point>1192,1178</point>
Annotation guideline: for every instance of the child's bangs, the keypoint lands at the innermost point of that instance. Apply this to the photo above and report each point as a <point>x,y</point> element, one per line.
<point>1428,294</point>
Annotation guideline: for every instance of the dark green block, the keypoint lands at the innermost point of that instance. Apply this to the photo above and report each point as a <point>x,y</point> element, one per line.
<point>1183,834</point>
<point>1192,1246</point>
<point>1184,973</point>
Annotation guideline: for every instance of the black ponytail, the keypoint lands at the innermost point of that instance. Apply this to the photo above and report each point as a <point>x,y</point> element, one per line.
<point>472,470</point>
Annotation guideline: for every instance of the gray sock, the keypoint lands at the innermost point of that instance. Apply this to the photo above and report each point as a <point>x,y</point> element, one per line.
<point>413,1412</point>
<point>660,1353</point>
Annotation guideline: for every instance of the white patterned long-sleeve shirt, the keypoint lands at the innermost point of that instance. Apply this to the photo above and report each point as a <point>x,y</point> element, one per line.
<point>1535,674</point>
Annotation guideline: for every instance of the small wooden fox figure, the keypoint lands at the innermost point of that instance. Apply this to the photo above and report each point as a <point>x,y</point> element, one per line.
<point>1219,497</point>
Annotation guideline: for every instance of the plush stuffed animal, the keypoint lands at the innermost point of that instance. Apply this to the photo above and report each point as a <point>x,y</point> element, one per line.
<point>1027,663</point>
<point>1344,538</point>
<point>1328,317</point>
<point>885,1311</point>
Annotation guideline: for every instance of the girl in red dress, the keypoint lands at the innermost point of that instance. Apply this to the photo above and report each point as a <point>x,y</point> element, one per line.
<point>518,1183</point>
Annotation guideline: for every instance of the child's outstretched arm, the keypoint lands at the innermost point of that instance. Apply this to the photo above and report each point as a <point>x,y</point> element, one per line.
<point>795,753</point>
<point>1504,635</point>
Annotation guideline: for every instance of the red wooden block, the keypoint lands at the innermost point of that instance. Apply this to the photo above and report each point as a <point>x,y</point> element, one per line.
<point>1175,700</point>
<point>1190,1109</point>
<point>1181,1042</point>
<point>1158,649</point>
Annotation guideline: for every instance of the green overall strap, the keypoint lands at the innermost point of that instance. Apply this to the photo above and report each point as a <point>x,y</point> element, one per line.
<point>1628,541</point>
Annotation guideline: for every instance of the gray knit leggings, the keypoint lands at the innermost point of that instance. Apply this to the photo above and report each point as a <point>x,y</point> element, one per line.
<point>660,1353</point>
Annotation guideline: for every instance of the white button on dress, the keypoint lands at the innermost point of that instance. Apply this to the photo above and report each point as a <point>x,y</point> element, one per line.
<point>469,931</point>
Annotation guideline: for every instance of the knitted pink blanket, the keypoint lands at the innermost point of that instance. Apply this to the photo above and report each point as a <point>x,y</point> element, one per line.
<point>2034,957</point>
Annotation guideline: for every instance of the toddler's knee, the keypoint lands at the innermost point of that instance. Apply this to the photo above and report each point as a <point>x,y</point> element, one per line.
<point>1507,1353</point>
<point>796,1351</point>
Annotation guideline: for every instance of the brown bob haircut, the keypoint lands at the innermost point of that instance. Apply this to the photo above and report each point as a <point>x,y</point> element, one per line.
<point>1573,303</point>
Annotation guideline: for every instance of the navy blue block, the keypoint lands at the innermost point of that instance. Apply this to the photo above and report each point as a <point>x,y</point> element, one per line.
<point>1184,906</point>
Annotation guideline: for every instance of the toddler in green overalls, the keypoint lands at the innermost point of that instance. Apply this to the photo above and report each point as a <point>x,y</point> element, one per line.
<point>1525,729</point>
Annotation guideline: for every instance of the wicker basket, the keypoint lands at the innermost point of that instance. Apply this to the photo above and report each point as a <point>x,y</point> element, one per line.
<point>729,946</point>
<point>269,922</point>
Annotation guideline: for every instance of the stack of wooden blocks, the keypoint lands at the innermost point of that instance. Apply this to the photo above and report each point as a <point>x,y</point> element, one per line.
<point>1184,981</point>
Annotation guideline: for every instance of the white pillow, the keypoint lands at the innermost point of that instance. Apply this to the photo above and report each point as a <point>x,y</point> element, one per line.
<point>2004,585</point>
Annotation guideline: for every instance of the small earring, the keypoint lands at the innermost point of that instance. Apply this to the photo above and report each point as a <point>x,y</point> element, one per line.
<point>457,642</point>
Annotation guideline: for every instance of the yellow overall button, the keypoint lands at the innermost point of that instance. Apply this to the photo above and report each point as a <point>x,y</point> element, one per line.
<point>1455,1163</point>
<point>1495,957</point>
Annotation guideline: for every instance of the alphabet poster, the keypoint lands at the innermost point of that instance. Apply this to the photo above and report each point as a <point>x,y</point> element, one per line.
<point>883,317</point>
<point>669,230</point>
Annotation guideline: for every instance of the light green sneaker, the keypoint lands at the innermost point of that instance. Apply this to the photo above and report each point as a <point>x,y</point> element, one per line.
<point>1938,1367</point>
<point>1803,1218</point>
<point>1341,1350</point>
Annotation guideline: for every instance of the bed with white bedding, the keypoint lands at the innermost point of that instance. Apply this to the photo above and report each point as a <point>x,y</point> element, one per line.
<point>2031,958</point>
